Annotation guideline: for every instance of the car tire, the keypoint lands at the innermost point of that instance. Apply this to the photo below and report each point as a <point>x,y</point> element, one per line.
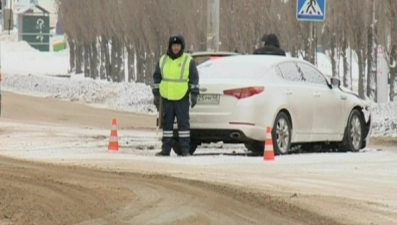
<point>281,134</point>
<point>178,150</point>
<point>354,132</point>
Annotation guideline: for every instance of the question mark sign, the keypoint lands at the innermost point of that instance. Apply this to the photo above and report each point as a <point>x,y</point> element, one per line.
<point>40,22</point>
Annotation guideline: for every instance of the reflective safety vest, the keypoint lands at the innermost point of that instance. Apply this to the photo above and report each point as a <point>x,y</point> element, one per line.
<point>175,77</point>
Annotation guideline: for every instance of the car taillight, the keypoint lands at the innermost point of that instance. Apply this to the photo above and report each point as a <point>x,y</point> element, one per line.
<point>244,92</point>
<point>215,58</point>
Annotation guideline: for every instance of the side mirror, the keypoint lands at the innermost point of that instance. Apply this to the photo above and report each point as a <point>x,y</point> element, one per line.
<point>335,82</point>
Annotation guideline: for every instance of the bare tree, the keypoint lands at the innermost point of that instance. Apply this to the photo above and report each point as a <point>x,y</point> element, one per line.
<point>357,36</point>
<point>372,45</point>
<point>109,39</point>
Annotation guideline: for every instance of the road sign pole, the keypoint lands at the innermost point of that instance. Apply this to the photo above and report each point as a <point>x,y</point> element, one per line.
<point>311,11</point>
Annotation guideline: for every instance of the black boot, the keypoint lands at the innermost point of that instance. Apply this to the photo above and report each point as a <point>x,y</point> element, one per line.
<point>185,152</point>
<point>162,153</point>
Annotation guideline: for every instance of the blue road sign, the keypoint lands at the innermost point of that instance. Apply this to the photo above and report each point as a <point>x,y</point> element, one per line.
<point>310,10</point>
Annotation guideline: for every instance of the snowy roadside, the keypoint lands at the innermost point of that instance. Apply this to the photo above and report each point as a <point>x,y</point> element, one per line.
<point>26,71</point>
<point>131,97</point>
<point>136,97</point>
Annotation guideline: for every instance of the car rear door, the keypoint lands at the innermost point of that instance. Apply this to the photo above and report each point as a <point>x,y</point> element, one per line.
<point>328,105</point>
<point>300,100</point>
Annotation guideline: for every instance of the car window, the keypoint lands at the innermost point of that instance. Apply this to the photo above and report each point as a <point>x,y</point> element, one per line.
<point>290,72</point>
<point>312,75</point>
<point>278,72</point>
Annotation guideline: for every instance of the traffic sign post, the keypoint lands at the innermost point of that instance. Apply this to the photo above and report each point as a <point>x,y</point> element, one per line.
<point>310,10</point>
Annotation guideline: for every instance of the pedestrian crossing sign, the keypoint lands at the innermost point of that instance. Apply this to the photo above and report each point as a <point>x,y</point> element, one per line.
<point>310,10</point>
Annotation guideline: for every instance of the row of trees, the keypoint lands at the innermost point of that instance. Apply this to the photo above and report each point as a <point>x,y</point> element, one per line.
<point>109,39</point>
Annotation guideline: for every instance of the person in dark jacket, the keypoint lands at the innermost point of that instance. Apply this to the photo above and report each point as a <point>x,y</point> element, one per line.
<point>175,80</point>
<point>271,46</point>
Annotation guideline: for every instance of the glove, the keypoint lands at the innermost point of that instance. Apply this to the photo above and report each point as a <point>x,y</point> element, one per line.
<point>193,100</point>
<point>156,102</point>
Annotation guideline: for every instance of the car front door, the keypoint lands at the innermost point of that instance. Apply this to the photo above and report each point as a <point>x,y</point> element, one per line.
<point>328,105</point>
<point>300,101</point>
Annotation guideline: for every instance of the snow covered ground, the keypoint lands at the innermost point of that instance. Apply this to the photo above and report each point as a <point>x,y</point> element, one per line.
<point>26,70</point>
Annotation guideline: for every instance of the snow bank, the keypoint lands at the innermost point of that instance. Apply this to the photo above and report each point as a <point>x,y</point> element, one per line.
<point>130,97</point>
<point>21,58</point>
<point>384,120</point>
<point>26,70</point>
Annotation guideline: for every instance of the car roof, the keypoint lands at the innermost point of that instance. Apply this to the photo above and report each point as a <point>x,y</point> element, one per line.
<point>213,53</point>
<point>265,60</point>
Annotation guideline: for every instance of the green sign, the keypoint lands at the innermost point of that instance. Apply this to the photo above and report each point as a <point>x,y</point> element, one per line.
<point>36,31</point>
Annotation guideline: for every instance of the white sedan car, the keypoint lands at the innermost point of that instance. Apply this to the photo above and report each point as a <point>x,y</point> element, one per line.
<point>243,95</point>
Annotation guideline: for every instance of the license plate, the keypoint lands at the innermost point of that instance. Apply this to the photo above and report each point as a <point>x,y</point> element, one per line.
<point>208,99</point>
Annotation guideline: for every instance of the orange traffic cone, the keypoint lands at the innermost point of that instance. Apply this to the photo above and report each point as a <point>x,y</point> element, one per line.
<point>113,141</point>
<point>268,154</point>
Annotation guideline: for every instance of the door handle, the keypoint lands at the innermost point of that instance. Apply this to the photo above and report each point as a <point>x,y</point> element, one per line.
<point>343,97</point>
<point>316,94</point>
<point>288,92</point>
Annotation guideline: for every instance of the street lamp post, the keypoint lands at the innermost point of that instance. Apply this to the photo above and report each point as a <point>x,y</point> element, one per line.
<point>213,8</point>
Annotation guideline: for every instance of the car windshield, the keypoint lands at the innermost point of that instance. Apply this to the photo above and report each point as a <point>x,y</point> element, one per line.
<point>230,69</point>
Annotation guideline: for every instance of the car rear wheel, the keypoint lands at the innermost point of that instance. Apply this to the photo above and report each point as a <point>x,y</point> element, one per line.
<point>178,150</point>
<point>281,134</point>
<point>354,132</point>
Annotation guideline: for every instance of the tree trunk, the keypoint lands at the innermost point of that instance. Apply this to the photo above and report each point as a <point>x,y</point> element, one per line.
<point>346,66</point>
<point>333,56</point>
<point>94,61</point>
<point>115,61</point>
<point>104,66</point>
<point>79,58</point>
<point>149,69</point>
<point>72,56</point>
<point>99,65</point>
<point>131,63</point>
<point>87,53</point>
<point>140,64</point>
<point>372,59</point>
<point>361,73</point>
<point>371,65</point>
<point>351,68</point>
<point>144,65</point>
<point>393,74</point>
<point>121,57</point>
<point>108,63</point>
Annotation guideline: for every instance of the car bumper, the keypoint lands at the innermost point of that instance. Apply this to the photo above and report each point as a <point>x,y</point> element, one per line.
<point>225,133</point>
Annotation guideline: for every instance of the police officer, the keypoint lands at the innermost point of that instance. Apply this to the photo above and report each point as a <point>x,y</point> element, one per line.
<point>175,80</point>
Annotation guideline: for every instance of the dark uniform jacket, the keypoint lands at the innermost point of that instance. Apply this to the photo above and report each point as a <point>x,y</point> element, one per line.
<point>272,47</point>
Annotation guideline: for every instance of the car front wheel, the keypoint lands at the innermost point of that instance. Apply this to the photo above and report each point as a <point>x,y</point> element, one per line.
<point>354,132</point>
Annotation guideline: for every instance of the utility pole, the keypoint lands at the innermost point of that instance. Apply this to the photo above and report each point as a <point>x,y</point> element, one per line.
<point>213,8</point>
<point>1,31</point>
